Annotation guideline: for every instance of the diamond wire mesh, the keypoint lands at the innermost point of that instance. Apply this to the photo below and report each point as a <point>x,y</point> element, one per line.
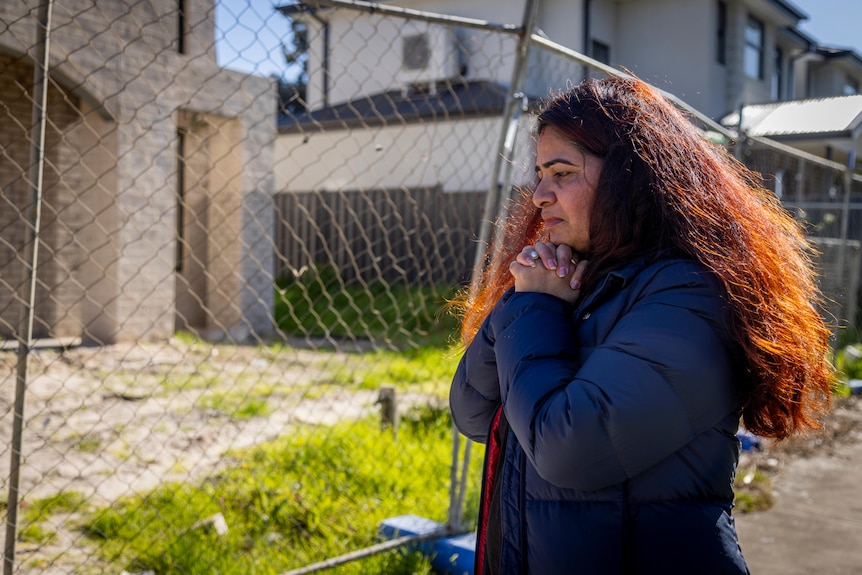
<point>822,195</point>
<point>236,264</point>
<point>226,283</point>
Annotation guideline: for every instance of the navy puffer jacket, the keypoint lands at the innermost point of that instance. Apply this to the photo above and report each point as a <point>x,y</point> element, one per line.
<point>620,447</point>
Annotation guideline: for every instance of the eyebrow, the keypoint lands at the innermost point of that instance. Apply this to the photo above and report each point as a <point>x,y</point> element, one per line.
<point>550,163</point>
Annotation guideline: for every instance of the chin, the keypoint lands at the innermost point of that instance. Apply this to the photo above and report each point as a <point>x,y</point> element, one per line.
<point>577,247</point>
<point>557,239</point>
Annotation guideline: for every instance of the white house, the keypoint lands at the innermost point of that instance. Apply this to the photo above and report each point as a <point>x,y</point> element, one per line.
<point>406,115</point>
<point>716,55</point>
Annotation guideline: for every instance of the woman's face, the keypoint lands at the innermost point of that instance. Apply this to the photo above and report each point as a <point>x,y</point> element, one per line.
<point>567,186</point>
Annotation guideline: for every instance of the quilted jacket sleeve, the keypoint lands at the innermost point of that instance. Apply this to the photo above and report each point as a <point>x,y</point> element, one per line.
<point>661,375</point>
<point>475,392</point>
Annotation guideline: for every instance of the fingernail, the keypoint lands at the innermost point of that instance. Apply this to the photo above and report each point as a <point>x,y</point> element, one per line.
<point>562,272</point>
<point>552,264</point>
<point>576,284</point>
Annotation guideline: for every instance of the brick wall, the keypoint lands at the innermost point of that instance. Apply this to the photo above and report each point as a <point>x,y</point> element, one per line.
<point>111,196</point>
<point>58,292</point>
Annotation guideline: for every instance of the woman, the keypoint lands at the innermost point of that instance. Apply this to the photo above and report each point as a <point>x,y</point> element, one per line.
<point>652,295</point>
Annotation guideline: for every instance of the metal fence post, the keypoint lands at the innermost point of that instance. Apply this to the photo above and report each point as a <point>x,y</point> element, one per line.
<point>849,298</point>
<point>495,204</point>
<point>507,136</point>
<point>31,247</point>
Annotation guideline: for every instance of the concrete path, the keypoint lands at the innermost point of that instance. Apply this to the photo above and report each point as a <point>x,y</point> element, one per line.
<point>815,527</point>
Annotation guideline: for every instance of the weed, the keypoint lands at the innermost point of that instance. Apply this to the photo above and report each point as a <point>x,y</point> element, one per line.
<point>89,444</point>
<point>237,403</point>
<point>36,533</point>
<point>37,511</point>
<point>64,502</point>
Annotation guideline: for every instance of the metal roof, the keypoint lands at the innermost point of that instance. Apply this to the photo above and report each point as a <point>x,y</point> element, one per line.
<point>452,101</point>
<point>839,116</point>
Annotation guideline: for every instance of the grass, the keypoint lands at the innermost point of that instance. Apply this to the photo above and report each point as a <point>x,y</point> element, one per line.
<point>318,303</point>
<point>411,322</point>
<point>753,491</point>
<point>423,367</point>
<point>320,493</point>
<point>848,365</point>
<point>236,403</point>
<point>35,513</point>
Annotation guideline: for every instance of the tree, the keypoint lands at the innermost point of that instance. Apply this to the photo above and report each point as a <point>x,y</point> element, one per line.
<point>292,92</point>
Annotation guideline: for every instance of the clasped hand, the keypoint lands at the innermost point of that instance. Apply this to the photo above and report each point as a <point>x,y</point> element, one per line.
<point>548,268</point>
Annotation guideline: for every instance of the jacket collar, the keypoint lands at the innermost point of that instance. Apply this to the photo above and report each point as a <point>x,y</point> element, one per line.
<point>613,282</point>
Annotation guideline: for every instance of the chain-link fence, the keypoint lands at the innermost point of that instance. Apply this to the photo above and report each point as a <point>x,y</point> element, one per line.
<point>223,293</point>
<point>826,196</point>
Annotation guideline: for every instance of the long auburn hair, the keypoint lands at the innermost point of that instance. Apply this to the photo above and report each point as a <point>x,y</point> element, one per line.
<point>665,187</point>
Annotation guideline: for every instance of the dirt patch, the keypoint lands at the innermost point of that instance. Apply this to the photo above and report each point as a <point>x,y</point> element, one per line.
<point>843,425</point>
<point>108,422</point>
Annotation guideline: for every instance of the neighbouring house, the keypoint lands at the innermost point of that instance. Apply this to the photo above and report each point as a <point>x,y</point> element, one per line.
<point>401,105</point>
<point>716,55</point>
<point>157,212</point>
<point>824,115</point>
<point>829,127</point>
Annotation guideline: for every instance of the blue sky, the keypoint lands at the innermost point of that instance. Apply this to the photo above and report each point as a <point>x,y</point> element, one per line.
<point>250,32</point>
<point>833,22</point>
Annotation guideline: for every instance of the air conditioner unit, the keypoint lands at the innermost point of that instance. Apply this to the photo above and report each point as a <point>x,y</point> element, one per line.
<point>429,55</point>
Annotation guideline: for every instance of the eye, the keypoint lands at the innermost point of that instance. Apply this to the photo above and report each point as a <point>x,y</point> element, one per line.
<point>560,175</point>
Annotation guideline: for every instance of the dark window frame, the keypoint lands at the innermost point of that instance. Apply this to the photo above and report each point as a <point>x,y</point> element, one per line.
<point>778,74</point>
<point>754,46</point>
<point>721,33</point>
<point>181,26</point>
<point>600,51</point>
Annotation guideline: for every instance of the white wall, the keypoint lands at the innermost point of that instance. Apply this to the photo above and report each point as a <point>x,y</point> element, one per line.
<point>459,156</point>
<point>827,80</point>
<point>563,22</point>
<point>362,58</point>
<point>365,52</point>
<point>671,44</point>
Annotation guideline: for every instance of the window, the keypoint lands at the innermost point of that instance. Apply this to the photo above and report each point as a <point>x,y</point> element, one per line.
<point>181,199</point>
<point>851,86</point>
<point>601,52</point>
<point>416,52</point>
<point>181,26</point>
<point>778,75</point>
<point>721,33</point>
<point>753,63</point>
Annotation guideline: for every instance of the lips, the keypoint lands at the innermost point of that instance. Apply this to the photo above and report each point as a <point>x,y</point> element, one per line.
<point>551,222</point>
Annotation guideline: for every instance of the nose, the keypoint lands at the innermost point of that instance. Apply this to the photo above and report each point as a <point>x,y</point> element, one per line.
<point>542,195</point>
